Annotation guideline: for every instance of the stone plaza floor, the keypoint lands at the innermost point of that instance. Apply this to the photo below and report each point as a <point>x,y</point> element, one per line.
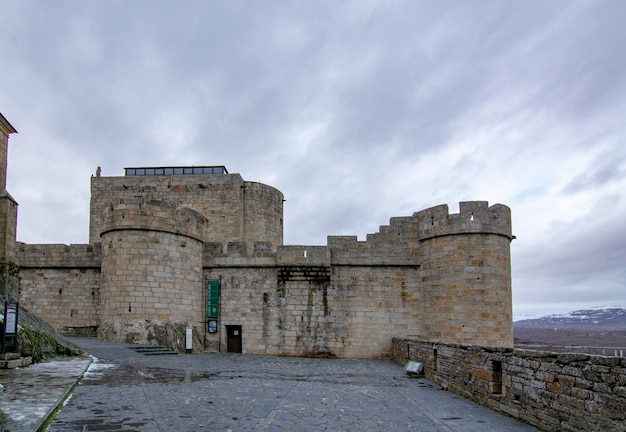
<point>124,390</point>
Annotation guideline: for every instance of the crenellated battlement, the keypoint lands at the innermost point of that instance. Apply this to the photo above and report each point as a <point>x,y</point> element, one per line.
<point>303,256</point>
<point>475,217</point>
<point>235,255</point>
<point>396,244</point>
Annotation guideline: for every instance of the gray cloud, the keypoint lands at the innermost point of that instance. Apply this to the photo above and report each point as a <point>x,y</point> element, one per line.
<point>581,260</point>
<point>605,169</point>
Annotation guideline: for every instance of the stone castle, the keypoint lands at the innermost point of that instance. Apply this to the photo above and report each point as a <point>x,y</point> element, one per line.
<point>177,248</point>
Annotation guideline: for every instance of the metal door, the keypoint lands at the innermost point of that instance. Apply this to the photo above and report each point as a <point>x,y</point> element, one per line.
<point>233,338</point>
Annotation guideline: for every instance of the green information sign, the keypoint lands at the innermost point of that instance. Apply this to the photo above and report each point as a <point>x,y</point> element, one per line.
<point>213,299</point>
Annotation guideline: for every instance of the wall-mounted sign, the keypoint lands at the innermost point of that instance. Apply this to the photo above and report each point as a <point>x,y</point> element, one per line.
<point>213,299</point>
<point>212,326</point>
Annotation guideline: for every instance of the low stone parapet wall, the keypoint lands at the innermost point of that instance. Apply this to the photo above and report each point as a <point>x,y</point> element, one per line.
<point>59,256</point>
<point>551,391</point>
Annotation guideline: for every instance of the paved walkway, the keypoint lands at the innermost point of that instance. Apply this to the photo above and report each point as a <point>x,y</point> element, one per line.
<point>127,391</point>
<point>29,395</point>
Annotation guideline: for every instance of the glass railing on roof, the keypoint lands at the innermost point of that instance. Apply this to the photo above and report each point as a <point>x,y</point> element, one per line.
<point>220,169</point>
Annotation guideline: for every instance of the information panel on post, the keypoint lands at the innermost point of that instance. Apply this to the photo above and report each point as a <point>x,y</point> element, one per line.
<point>11,312</point>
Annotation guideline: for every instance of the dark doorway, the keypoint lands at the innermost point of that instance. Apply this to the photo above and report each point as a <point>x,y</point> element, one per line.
<point>233,338</point>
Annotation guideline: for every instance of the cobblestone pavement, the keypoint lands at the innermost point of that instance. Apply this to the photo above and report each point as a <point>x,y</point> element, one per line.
<point>127,391</point>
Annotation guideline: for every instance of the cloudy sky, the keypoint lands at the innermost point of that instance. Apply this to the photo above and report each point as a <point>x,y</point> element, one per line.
<point>357,111</point>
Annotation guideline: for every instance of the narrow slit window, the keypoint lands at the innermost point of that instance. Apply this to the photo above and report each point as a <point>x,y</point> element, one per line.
<point>496,384</point>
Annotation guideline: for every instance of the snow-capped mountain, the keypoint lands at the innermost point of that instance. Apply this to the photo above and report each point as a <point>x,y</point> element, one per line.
<point>606,318</point>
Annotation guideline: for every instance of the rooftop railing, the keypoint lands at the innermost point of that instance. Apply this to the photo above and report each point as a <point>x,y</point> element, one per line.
<point>220,169</point>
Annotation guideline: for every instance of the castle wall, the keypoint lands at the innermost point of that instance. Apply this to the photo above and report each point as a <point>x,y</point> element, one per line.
<point>61,284</point>
<point>6,129</point>
<point>440,277</point>
<point>8,206</point>
<point>236,210</point>
<point>435,275</point>
<point>377,282</point>
<point>248,298</point>
<point>552,391</point>
<point>377,304</point>
<point>262,214</point>
<point>304,306</point>
<point>8,226</point>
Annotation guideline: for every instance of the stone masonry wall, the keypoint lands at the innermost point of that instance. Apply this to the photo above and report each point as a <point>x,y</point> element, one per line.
<point>151,270</point>
<point>552,391</point>
<point>6,129</point>
<point>378,303</point>
<point>300,301</point>
<point>4,145</point>
<point>61,284</point>
<point>434,275</point>
<point>466,274</point>
<point>350,298</point>
<point>69,299</point>
<point>246,296</point>
<point>236,210</point>
<point>8,226</point>
<point>296,303</point>
<point>8,206</point>
<point>377,283</point>
<point>263,214</point>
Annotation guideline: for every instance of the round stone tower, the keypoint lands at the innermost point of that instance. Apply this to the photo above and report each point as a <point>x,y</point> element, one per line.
<point>466,274</point>
<point>236,210</point>
<point>152,280</point>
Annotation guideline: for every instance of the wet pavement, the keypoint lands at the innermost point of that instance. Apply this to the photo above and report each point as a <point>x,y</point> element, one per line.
<point>124,390</point>
<point>29,395</point>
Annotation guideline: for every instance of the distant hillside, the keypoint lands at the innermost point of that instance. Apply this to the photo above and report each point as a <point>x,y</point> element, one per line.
<point>594,331</point>
<point>599,319</point>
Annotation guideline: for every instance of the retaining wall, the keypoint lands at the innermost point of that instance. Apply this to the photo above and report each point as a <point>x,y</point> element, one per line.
<point>551,391</point>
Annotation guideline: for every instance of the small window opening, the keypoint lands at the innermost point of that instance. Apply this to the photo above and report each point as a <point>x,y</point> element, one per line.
<point>434,359</point>
<point>496,384</point>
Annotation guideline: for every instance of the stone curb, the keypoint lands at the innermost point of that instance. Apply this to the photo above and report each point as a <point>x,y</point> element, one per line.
<point>53,409</point>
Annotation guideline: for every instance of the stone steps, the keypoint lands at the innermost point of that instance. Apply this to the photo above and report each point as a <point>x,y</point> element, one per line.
<point>152,350</point>
<point>14,360</point>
